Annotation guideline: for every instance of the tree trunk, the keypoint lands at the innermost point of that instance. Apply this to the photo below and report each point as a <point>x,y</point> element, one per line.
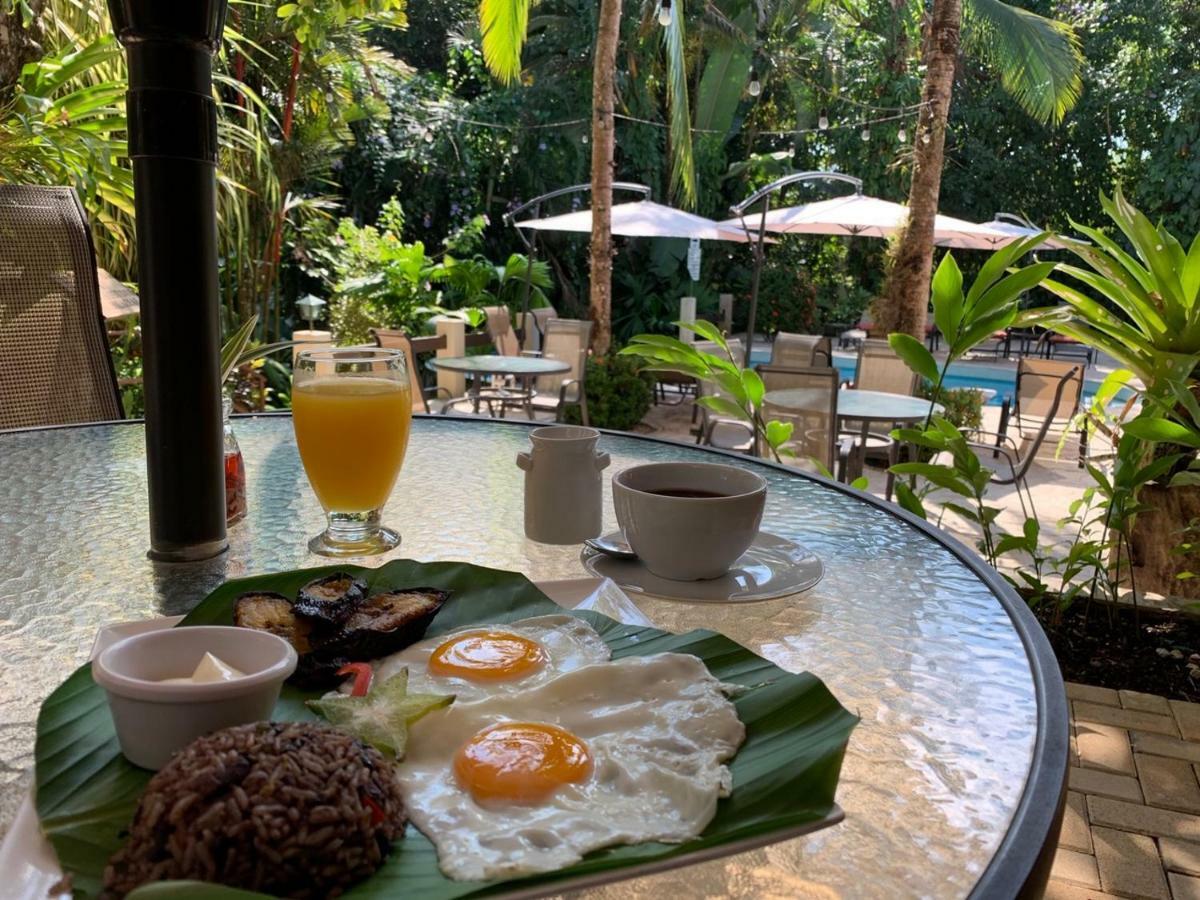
<point>18,45</point>
<point>906,294</point>
<point>603,144</point>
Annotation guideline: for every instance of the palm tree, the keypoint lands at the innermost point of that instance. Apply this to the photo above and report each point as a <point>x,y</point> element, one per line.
<point>504,24</point>
<point>1038,61</point>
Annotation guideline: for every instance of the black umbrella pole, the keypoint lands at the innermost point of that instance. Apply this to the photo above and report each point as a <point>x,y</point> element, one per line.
<point>173,145</point>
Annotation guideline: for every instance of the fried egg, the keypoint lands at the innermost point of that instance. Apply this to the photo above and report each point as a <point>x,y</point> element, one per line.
<point>518,780</point>
<point>484,661</point>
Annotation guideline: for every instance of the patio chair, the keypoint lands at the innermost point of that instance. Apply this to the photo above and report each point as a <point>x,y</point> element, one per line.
<point>801,350</point>
<point>1052,395</point>
<point>880,369</point>
<point>56,367</point>
<point>500,330</point>
<point>1045,387</point>
<point>540,317</point>
<point>814,428</point>
<point>715,430</point>
<point>567,341</point>
<point>424,399</point>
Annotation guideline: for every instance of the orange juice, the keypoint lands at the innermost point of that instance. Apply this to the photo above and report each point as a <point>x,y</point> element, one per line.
<point>352,434</point>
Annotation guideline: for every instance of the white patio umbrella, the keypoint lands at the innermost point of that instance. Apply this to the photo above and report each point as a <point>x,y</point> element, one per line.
<point>860,215</point>
<point>1017,227</point>
<point>645,218</point>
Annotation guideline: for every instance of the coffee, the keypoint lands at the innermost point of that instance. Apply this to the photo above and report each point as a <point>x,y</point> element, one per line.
<point>693,493</point>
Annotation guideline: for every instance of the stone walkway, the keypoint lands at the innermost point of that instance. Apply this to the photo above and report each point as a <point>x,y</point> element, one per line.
<point>1132,823</point>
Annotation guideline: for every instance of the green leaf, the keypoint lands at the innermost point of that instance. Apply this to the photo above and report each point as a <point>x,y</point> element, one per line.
<point>948,297</point>
<point>796,735</point>
<point>908,500</point>
<point>504,24</point>
<point>723,406</point>
<point>915,355</point>
<point>1162,431</point>
<point>752,383</point>
<point>287,9</point>
<point>942,476</point>
<point>861,483</point>
<point>779,433</point>
<point>706,330</point>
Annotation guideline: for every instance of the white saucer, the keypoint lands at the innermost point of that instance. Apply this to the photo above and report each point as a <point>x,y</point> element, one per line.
<point>772,567</point>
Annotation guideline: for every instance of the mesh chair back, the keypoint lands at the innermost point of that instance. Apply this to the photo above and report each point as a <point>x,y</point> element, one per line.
<point>54,363</point>
<point>541,316</point>
<point>567,341</point>
<point>814,418</point>
<point>500,330</point>
<point>392,339</point>
<point>1037,389</point>
<point>799,351</point>
<point>880,369</point>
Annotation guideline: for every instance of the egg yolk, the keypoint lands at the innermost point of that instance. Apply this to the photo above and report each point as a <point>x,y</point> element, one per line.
<point>521,762</point>
<point>487,656</point>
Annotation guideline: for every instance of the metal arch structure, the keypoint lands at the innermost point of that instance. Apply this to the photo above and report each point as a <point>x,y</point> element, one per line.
<point>530,242</point>
<point>763,195</point>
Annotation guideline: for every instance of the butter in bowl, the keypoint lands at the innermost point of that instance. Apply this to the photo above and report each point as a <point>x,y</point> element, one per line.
<point>166,688</point>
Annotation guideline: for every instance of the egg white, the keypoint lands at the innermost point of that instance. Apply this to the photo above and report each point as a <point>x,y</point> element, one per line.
<point>659,729</point>
<point>569,644</point>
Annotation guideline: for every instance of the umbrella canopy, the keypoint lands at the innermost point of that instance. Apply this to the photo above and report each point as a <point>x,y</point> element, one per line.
<point>645,218</point>
<point>1019,230</point>
<point>116,300</point>
<point>858,214</point>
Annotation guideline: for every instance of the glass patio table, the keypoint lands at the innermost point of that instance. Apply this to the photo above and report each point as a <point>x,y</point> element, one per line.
<point>952,783</point>
<point>523,368</point>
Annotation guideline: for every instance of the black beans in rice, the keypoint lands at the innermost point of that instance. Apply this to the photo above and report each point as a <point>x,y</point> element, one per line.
<point>295,809</point>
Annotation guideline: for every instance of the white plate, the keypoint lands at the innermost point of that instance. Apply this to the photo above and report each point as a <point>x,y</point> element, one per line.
<point>772,567</point>
<point>27,861</point>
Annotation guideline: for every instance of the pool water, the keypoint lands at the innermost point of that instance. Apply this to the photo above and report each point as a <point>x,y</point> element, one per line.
<point>1001,379</point>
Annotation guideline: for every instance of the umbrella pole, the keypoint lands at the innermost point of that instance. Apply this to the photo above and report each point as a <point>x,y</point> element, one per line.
<point>530,253</point>
<point>758,261</point>
<point>173,145</point>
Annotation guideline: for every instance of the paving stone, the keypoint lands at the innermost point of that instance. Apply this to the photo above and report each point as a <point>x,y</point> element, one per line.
<point>1106,696</point>
<point>1064,890</point>
<point>1132,719</point>
<point>1143,819</point>
<point>1075,832</point>
<point>1151,703</point>
<point>1180,856</point>
<point>1073,747</point>
<point>1079,868</point>
<point>1188,717</point>
<point>1168,783</point>
<point>1129,864</point>
<point>1106,784</point>
<point>1104,747</point>
<point>1184,887</point>
<point>1160,745</point>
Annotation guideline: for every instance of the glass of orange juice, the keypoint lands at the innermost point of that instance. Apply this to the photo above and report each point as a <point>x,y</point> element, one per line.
<point>352,410</point>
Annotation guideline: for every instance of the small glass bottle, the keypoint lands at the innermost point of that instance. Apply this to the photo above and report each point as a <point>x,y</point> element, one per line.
<point>235,469</point>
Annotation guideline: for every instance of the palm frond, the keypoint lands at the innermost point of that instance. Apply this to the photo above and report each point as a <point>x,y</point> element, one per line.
<point>505,24</point>
<point>1038,59</point>
<point>683,163</point>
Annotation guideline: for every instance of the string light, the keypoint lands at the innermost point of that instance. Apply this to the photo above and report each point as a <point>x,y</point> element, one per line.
<point>925,138</point>
<point>665,13</point>
<point>902,135</point>
<point>866,134</point>
<point>823,121</point>
<point>755,87</point>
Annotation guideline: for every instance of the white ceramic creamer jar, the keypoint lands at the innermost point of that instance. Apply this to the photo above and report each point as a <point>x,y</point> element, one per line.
<point>563,486</point>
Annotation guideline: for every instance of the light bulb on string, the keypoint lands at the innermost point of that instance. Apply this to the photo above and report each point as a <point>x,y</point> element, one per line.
<point>664,13</point>
<point>925,138</point>
<point>755,87</point>
<point>866,134</point>
<point>823,121</point>
<point>902,136</point>
<point>584,138</point>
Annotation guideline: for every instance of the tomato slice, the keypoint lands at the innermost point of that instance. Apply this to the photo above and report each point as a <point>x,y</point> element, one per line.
<point>363,673</point>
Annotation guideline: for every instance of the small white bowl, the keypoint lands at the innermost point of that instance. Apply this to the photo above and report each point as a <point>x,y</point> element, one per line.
<point>153,719</point>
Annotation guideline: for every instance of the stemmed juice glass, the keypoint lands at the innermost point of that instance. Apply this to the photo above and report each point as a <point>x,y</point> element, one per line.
<point>352,411</point>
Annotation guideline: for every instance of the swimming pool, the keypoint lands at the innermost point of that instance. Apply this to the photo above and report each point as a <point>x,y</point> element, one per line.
<point>1001,379</point>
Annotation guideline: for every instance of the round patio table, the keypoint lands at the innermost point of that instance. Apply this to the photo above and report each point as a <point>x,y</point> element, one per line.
<point>951,785</point>
<point>523,368</point>
<point>856,405</point>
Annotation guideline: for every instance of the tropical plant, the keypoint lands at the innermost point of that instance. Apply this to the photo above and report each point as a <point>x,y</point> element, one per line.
<point>1039,64</point>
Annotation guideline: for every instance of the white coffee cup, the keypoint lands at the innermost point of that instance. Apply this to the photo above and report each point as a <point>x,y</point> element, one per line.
<point>689,521</point>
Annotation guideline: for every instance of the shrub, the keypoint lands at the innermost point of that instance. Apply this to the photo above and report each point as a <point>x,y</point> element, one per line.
<point>618,393</point>
<point>964,406</point>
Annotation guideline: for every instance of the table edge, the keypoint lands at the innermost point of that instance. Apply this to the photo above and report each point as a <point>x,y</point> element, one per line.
<point>1021,864</point>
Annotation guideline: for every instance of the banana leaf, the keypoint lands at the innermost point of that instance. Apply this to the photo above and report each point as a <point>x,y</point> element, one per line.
<point>784,776</point>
